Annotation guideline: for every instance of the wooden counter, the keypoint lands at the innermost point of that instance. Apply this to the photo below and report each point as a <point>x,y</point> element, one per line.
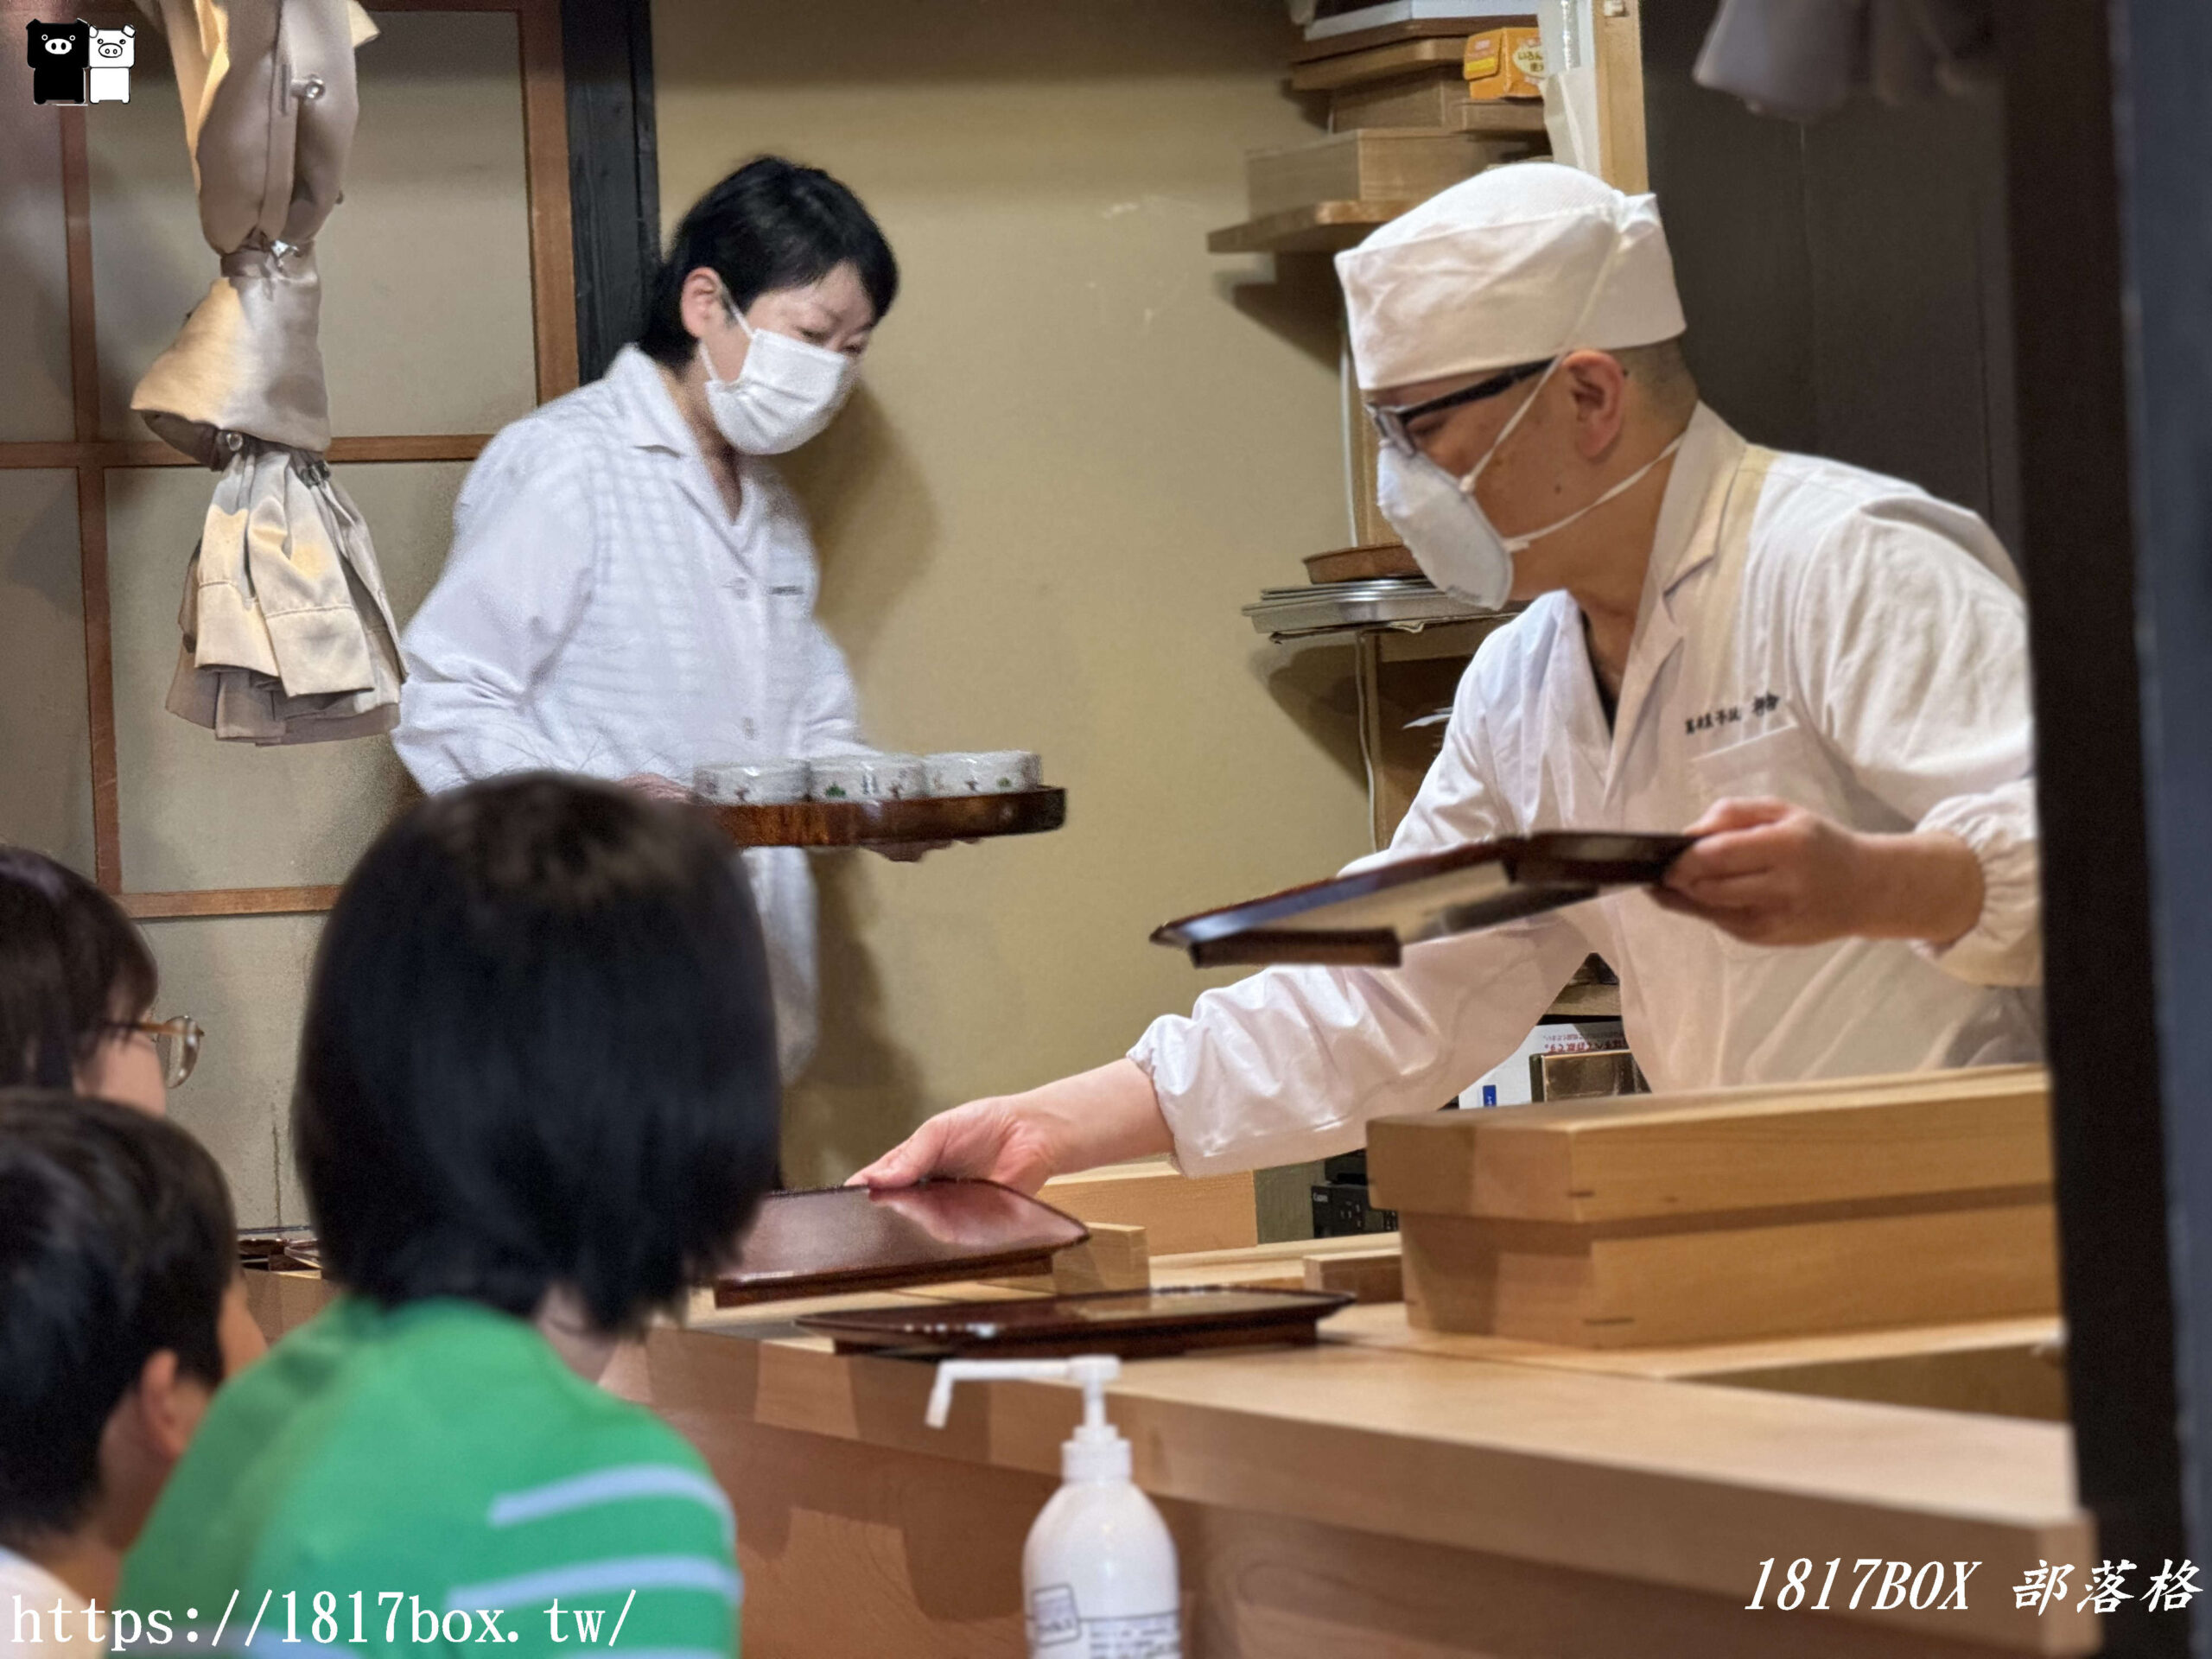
<point>1394,1490</point>
<point>1388,1492</point>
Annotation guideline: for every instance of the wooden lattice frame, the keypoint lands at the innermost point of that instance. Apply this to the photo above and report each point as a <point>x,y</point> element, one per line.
<point>553,295</point>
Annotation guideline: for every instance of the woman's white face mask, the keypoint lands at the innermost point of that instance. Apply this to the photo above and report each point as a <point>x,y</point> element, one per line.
<point>787,391</point>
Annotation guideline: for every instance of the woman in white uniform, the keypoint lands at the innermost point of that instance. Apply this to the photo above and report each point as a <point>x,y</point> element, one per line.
<point>631,591</point>
<point>1821,670</point>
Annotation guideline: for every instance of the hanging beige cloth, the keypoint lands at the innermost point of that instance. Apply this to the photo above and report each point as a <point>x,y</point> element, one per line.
<point>287,637</point>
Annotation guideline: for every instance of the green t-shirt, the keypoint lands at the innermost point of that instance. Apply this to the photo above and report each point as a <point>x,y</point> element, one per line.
<point>386,1480</point>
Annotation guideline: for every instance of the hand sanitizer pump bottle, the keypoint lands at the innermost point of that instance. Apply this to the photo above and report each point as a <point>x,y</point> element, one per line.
<point>1098,1577</point>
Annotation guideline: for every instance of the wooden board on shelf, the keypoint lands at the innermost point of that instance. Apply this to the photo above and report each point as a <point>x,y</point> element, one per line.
<point>1437,100</point>
<point>1373,164</point>
<point>1390,62</point>
<point>868,823</point>
<point>1319,227</point>
<point>1367,40</point>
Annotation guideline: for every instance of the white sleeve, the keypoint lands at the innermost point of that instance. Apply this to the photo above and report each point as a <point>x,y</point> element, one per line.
<point>518,576</point>
<point>1912,655</point>
<point>1291,1062</point>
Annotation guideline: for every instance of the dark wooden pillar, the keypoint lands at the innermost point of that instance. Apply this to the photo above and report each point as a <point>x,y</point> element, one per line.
<point>613,170</point>
<point>2110,187</point>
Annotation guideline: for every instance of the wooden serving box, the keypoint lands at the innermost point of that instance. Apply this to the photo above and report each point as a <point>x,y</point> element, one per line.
<point>1733,1214</point>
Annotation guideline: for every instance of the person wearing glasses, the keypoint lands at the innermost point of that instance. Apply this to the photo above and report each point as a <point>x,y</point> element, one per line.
<point>77,989</point>
<point>1820,672</point>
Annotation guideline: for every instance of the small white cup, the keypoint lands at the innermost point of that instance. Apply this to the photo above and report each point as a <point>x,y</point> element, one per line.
<point>870,778</point>
<point>990,772</point>
<point>754,783</point>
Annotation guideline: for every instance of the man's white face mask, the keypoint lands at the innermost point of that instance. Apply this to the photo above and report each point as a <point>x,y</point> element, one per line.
<point>1445,528</point>
<point>787,391</point>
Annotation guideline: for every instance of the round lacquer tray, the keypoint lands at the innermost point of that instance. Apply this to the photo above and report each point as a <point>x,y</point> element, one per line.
<point>871,823</point>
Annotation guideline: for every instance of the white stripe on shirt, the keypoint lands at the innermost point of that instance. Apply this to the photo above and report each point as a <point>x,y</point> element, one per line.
<point>622,1484</point>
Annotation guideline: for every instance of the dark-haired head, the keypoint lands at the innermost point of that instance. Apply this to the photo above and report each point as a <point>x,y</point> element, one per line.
<point>72,964</point>
<point>117,1248</point>
<point>539,1054</point>
<point>771,225</point>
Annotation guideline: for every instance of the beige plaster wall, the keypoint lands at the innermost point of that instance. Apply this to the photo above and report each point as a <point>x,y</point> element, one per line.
<point>1083,443</point>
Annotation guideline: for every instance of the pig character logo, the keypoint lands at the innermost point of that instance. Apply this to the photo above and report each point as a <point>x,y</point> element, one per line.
<point>114,50</point>
<point>61,59</point>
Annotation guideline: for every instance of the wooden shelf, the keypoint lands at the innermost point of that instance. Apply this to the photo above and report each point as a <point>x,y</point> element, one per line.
<point>1322,227</point>
<point>1365,40</point>
<point>1377,63</point>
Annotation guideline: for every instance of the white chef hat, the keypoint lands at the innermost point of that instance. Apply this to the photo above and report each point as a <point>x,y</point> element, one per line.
<point>1498,271</point>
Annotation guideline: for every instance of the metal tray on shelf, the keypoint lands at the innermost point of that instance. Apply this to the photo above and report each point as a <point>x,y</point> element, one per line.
<point>1331,606</point>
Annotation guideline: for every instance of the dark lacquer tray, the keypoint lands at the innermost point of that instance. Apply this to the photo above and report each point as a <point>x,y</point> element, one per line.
<point>278,1249</point>
<point>1134,1324</point>
<point>1367,919</point>
<point>849,1238</point>
<point>869,823</point>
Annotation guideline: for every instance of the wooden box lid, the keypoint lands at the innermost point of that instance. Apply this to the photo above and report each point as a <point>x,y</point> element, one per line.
<point>1653,1156</point>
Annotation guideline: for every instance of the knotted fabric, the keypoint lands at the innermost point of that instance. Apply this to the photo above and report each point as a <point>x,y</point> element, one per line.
<point>287,637</point>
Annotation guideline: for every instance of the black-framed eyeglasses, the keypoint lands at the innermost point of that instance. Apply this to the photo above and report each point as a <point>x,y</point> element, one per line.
<point>1390,421</point>
<point>176,1043</point>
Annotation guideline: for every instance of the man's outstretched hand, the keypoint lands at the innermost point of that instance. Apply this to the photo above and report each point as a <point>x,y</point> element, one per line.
<point>989,1139</point>
<point>1101,1116</point>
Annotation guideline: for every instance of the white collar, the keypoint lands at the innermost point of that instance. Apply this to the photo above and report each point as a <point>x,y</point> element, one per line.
<point>1688,533</point>
<point>648,412</point>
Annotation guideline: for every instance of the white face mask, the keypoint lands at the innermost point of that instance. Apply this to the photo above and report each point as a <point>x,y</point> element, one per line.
<point>787,391</point>
<point>1446,530</point>
<point>1444,526</point>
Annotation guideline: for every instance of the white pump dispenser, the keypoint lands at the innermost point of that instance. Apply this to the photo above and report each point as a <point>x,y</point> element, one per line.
<point>1098,1578</point>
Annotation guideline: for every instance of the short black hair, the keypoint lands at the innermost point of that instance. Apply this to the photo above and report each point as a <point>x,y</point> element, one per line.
<point>70,961</point>
<point>771,224</point>
<point>539,1050</point>
<point>116,1241</point>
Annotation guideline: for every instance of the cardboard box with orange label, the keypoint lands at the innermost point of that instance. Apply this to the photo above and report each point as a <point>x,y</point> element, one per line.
<point>1504,63</point>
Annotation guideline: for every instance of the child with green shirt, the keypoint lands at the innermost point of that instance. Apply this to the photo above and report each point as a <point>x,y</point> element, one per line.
<point>537,1098</point>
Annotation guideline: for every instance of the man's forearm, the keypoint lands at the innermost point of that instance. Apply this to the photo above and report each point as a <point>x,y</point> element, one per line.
<point>1924,886</point>
<point>1106,1115</point>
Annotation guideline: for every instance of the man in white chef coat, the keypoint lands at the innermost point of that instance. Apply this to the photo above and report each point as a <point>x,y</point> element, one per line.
<point>631,590</point>
<point>1822,671</point>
